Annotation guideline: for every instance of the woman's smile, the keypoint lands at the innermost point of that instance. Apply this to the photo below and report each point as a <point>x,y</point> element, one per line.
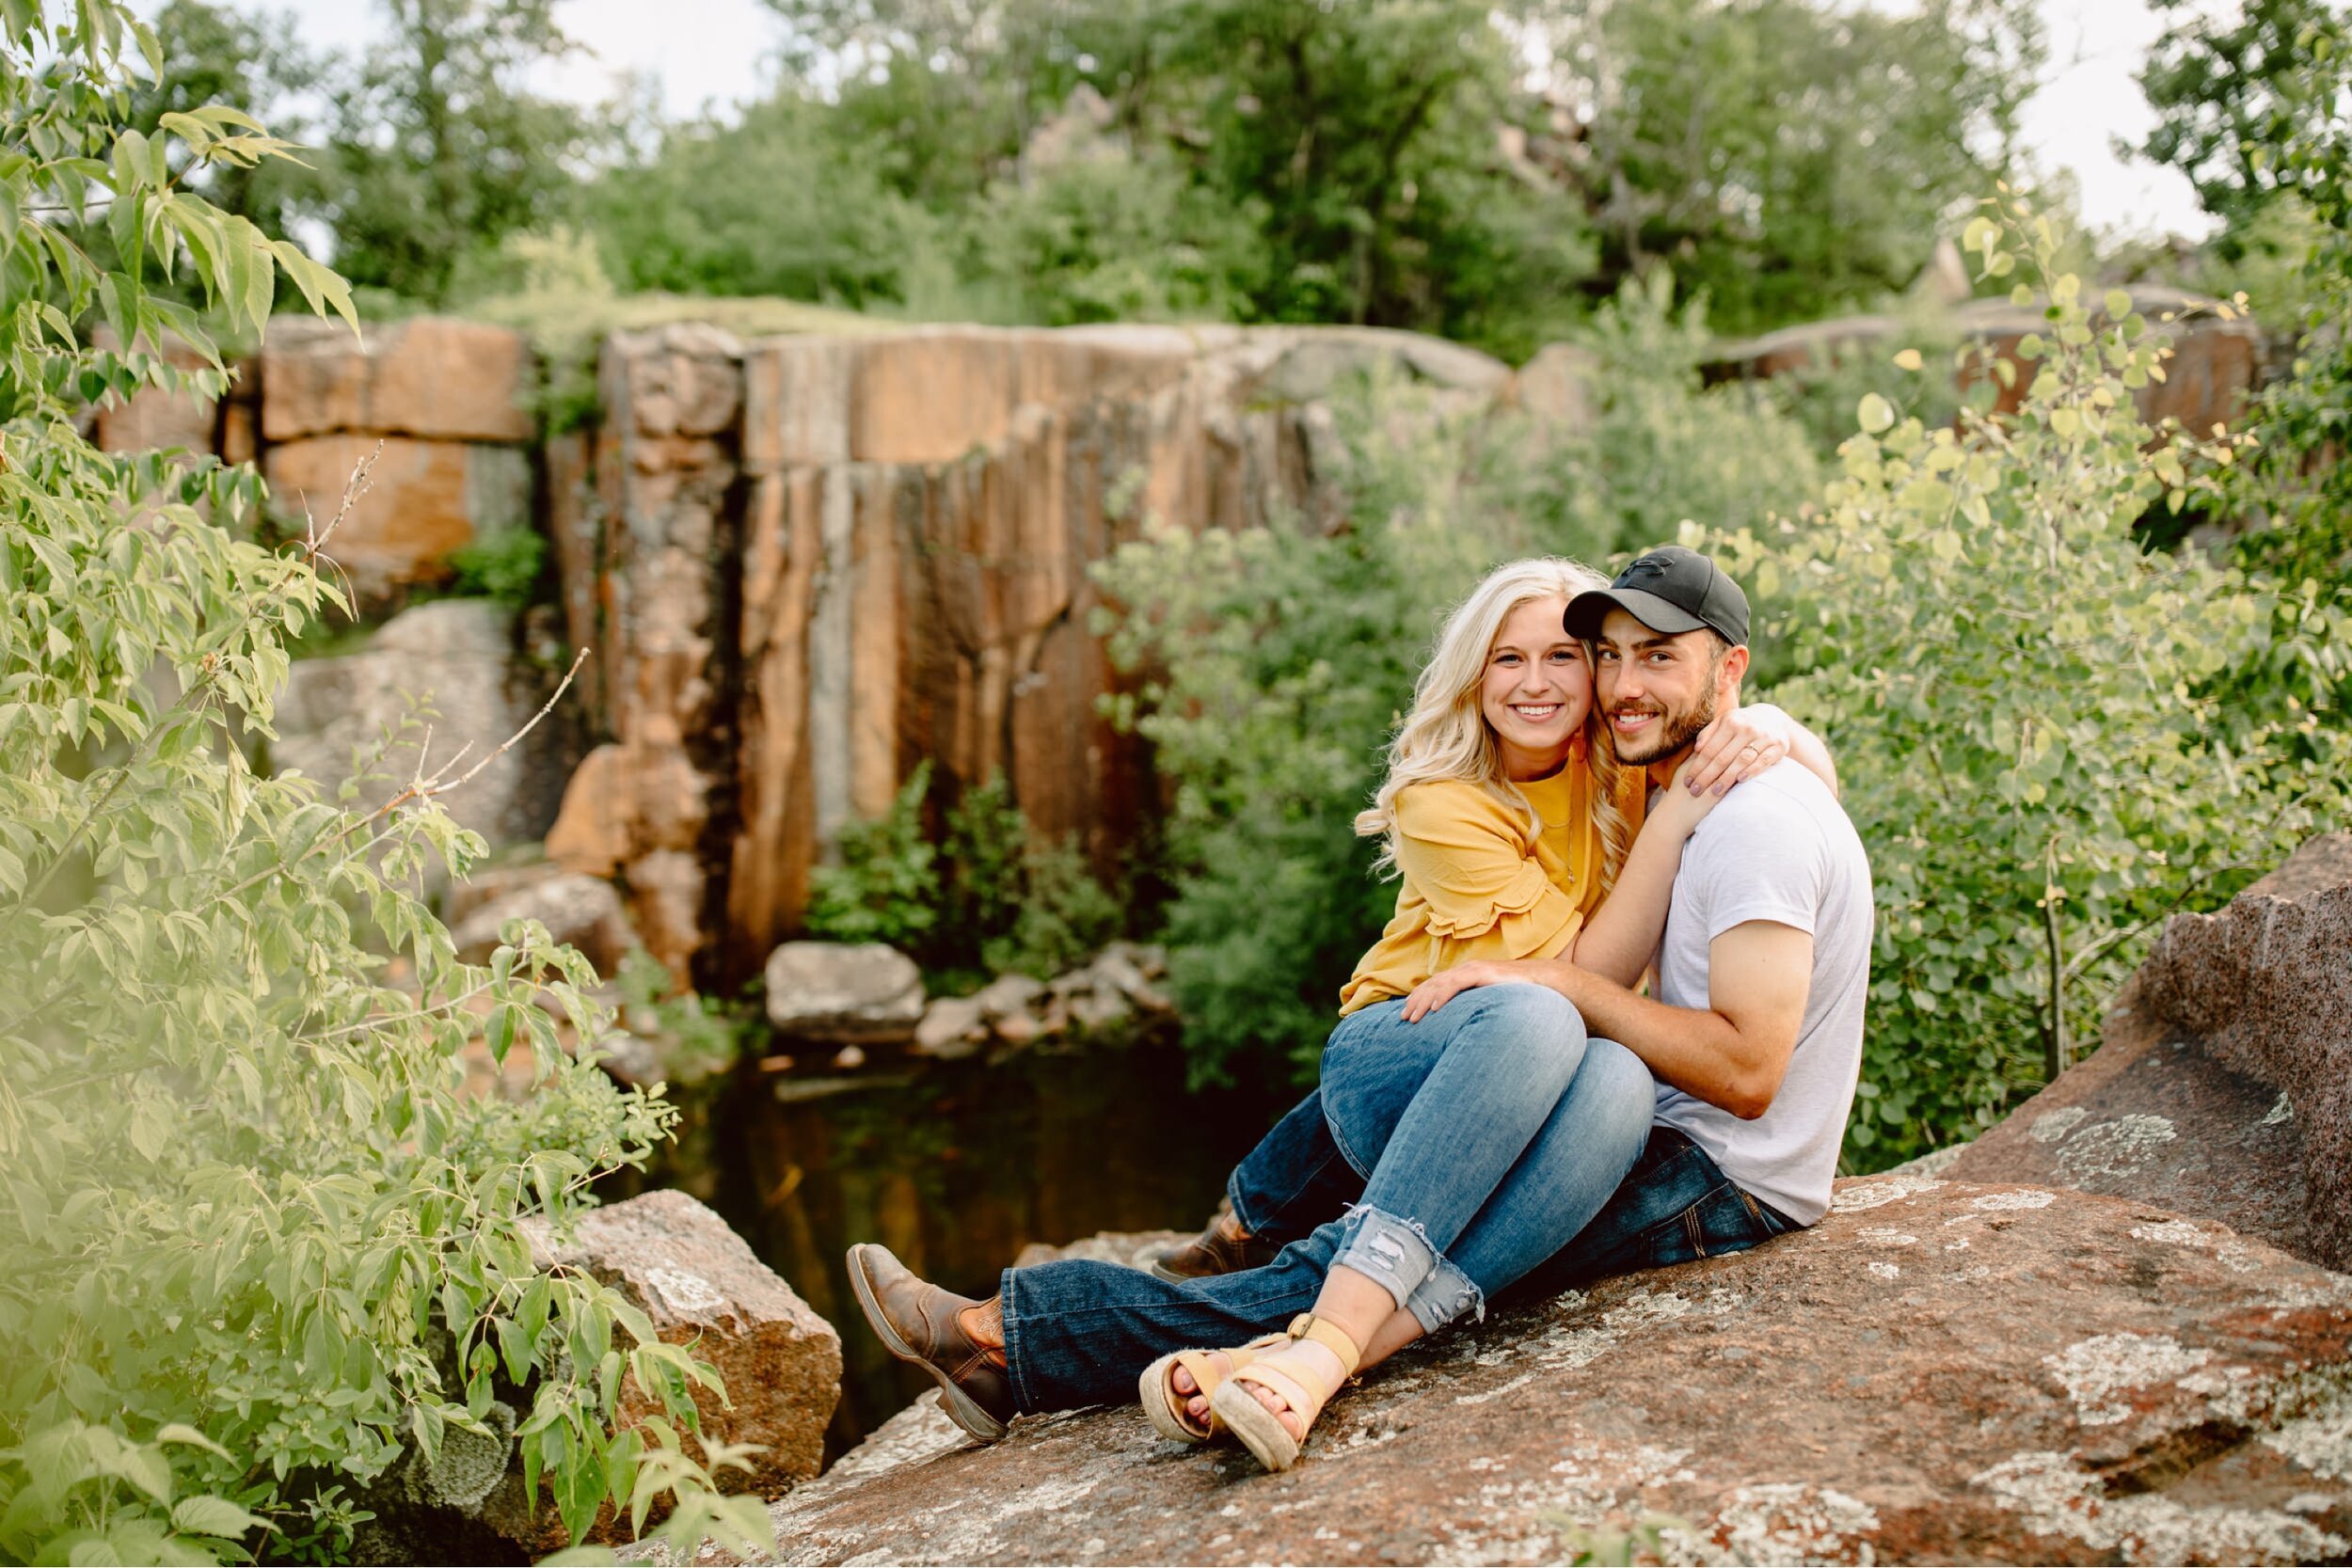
<point>1537,689</point>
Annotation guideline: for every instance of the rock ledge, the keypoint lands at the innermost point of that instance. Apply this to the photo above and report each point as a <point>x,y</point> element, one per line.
<point>1937,1372</point>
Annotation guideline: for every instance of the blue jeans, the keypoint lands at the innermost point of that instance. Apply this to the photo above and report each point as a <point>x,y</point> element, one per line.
<point>1490,1133</point>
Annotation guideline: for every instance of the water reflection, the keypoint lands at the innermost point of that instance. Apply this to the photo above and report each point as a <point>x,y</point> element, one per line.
<point>955,1166</point>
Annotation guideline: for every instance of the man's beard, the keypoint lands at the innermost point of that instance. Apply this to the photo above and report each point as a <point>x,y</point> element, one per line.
<point>1673,732</point>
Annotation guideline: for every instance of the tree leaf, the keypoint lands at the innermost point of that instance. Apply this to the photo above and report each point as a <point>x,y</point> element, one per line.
<point>208,1515</point>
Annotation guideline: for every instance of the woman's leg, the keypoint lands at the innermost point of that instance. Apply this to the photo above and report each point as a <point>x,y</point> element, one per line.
<point>1589,1144</point>
<point>1504,1067</point>
<point>1593,1137</point>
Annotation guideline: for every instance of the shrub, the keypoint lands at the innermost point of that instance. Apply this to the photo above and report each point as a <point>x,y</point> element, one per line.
<point>2023,704</point>
<point>1278,660</point>
<point>885,886</point>
<point>989,898</point>
<point>255,1244</point>
<point>1112,235</point>
<point>1664,447</point>
<point>701,1036</point>
<point>507,565</point>
<point>1065,915</point>
<point>780,202</point>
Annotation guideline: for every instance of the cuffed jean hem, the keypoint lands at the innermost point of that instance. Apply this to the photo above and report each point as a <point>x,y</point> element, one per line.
<point>1016,1326</point>
<point>1248,1222</point>
<point>1446,1294</point>
<point>1393,1253</point>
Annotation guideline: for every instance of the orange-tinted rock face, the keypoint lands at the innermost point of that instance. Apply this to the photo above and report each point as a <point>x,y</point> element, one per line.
<point>424,500</point>
<point>928,596</point>
<point>818,562</point>
<point>2223,1088</point>
<point>433,376</point>
<point>447,402</point>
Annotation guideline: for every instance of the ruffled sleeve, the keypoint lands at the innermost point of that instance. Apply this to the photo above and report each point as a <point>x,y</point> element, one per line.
<point>1469,856</point>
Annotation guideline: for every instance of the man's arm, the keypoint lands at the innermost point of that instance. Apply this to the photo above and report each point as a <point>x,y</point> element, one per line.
<point>1731,1054</point>
<point>1622,934</point>
<point>1718,756</point>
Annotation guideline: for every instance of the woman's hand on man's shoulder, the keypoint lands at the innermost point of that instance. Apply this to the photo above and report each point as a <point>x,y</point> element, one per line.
<point>1737,746</point>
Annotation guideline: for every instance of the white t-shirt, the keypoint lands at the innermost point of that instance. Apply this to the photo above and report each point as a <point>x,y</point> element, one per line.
<point>1777,848</point>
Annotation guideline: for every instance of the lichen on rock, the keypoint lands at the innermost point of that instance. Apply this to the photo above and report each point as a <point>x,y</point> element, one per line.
<point>2078,1382</point>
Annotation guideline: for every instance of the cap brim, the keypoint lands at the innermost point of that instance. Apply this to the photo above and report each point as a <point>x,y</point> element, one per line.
<point>1587,611</point>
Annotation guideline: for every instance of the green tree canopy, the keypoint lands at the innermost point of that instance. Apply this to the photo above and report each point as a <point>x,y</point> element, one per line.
<point>2232,93</point>
<point>436,147</point>
<point>1477,171</point>
<point>1788,158</point>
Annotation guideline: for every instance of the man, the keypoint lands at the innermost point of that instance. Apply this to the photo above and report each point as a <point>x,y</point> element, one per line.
<point>1755,1039</point>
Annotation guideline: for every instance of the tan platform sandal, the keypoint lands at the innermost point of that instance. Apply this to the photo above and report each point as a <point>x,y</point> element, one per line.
<point>1164,1407</point>
<point>1261,1430</point>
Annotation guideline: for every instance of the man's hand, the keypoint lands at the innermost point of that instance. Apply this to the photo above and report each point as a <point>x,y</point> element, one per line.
<point>1438,989</point>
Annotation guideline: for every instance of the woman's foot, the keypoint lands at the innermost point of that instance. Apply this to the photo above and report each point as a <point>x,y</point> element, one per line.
<point>1188,1389</point>
<point>1324,1367</point>
<point>1175,1389</point>
<point>1271,1403</point>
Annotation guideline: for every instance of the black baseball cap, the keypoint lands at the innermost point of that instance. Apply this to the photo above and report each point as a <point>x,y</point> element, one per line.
<point>1670,590</point>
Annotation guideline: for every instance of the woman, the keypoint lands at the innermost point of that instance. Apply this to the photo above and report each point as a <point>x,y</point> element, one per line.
<point>1487,1134</point>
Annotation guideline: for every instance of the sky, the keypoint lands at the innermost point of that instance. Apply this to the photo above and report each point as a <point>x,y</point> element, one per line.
<point>710,54</point>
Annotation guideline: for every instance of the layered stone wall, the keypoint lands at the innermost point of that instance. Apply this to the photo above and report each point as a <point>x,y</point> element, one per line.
<point>810,563</point>
<point>440,409</point>
<point>444,409</point>
<point>2216,364</point>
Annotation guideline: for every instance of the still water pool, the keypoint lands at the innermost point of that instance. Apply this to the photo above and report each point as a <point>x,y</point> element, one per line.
<point>955,1166</point>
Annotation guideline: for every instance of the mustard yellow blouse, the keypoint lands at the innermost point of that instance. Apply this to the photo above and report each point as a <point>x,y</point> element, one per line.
<point>1476,887</point>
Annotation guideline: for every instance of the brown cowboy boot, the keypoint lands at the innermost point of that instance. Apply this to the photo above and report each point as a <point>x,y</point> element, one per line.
<point>916,1321</point>
<point>1220,1248</point>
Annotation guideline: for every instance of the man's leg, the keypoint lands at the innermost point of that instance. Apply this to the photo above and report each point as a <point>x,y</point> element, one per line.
<point>1081,1333</point>
<point>1297,1176</point>
<point>1294,1179</point>
<point>1676,1205</point>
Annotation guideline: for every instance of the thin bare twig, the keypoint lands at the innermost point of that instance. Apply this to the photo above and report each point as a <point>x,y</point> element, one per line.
<point>425,786</point>
<point>361,480</point>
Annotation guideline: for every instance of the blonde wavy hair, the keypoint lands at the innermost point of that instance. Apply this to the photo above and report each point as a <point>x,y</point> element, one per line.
<point>1446,736</point>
